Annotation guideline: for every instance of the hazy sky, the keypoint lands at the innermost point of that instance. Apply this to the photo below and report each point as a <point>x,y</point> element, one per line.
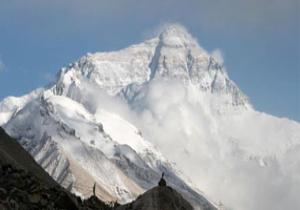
<point>259,40</point>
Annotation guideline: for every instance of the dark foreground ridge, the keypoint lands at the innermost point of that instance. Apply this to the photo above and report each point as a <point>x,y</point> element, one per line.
<point>12,153</point>
<point>24,185</point>
<point>20,190</point>
<point>158,198</point>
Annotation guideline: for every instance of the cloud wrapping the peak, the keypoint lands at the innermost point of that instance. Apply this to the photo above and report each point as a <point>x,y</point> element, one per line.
<point>217,54</point>
<point>178,119</point>
<point>212,150</point>
<point>216,152</point>
<point>222,155</point>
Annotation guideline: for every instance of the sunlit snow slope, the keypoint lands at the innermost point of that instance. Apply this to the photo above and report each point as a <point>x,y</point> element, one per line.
<point>121,118</point>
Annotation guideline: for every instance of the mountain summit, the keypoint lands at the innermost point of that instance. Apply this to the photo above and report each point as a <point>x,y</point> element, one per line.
<point>177,36</point>
<point>119,119</point>
<point>174,54</point>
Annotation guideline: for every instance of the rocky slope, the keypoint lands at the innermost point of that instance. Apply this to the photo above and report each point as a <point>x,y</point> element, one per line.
<point>12,153</point>
<point>25,185</point>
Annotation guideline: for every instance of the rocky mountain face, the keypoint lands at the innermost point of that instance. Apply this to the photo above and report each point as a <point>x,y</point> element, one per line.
<point>164,105</point>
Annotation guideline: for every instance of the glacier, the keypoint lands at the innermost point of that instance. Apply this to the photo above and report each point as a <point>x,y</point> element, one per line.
<point>121,118</point>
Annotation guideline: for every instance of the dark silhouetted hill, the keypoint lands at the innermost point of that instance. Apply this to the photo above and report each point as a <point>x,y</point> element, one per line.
<point>158,198</point>
<point>24,185</point>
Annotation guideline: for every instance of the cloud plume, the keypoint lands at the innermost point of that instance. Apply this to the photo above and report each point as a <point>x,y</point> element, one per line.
<point>232,159</point>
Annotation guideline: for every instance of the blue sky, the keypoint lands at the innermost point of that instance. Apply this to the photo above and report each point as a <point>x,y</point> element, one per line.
<point>259,40</point>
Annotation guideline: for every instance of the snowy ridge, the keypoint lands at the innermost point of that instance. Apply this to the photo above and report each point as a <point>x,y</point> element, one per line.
<point>11,105</point>
<point>63,128</point>
<point>121,118</point>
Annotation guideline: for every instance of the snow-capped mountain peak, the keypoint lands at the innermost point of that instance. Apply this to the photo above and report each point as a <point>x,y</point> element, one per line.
<point>176,35</point>
<point>121,118</point>
<point>173,55</point>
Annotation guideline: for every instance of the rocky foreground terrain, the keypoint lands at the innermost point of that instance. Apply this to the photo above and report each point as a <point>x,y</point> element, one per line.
<point>24,185</point>
<point>20,190</point>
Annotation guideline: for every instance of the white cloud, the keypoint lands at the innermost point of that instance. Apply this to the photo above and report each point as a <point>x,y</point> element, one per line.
<point>152,32</point>
<point>185,129</point>
<point>217,54</point>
